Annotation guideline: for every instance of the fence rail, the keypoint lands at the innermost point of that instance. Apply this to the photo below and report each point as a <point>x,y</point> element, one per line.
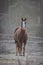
<point>12,36</point>
<point>6,41</point>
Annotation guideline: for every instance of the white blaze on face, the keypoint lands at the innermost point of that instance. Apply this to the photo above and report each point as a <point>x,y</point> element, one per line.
<point>23,24</point>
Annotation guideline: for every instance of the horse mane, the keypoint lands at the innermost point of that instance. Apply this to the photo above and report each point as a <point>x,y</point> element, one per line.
<point>16,29</point>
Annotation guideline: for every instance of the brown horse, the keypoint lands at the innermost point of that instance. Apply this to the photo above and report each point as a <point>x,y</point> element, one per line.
<point>20,37</point>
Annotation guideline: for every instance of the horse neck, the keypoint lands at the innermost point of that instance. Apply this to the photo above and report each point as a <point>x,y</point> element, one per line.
<point>22,30</point>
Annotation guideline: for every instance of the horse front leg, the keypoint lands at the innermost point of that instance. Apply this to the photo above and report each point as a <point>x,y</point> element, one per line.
<point>24,50</point>
<point>20,51</point>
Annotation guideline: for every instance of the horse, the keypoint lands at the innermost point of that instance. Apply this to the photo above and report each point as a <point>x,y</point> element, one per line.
<point>21,37</point>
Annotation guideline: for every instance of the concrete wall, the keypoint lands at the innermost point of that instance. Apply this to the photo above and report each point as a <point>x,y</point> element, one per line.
<point>17,9</point>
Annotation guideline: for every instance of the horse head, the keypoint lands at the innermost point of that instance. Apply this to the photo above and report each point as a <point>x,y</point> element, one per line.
<point>23,22</point>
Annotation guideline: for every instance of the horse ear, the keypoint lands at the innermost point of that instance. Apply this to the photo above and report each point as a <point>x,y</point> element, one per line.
<point>22,19</point>
<point>25,19</point>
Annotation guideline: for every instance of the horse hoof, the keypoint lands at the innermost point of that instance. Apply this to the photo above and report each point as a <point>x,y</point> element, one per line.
<point>23,55</point>
<point>20,55</point>
<point>16,54</point>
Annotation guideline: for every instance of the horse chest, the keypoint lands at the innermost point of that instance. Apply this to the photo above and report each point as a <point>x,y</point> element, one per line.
<point>22,37</point>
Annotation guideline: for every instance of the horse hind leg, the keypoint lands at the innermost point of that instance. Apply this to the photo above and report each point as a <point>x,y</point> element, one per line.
<point>16,50</point>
